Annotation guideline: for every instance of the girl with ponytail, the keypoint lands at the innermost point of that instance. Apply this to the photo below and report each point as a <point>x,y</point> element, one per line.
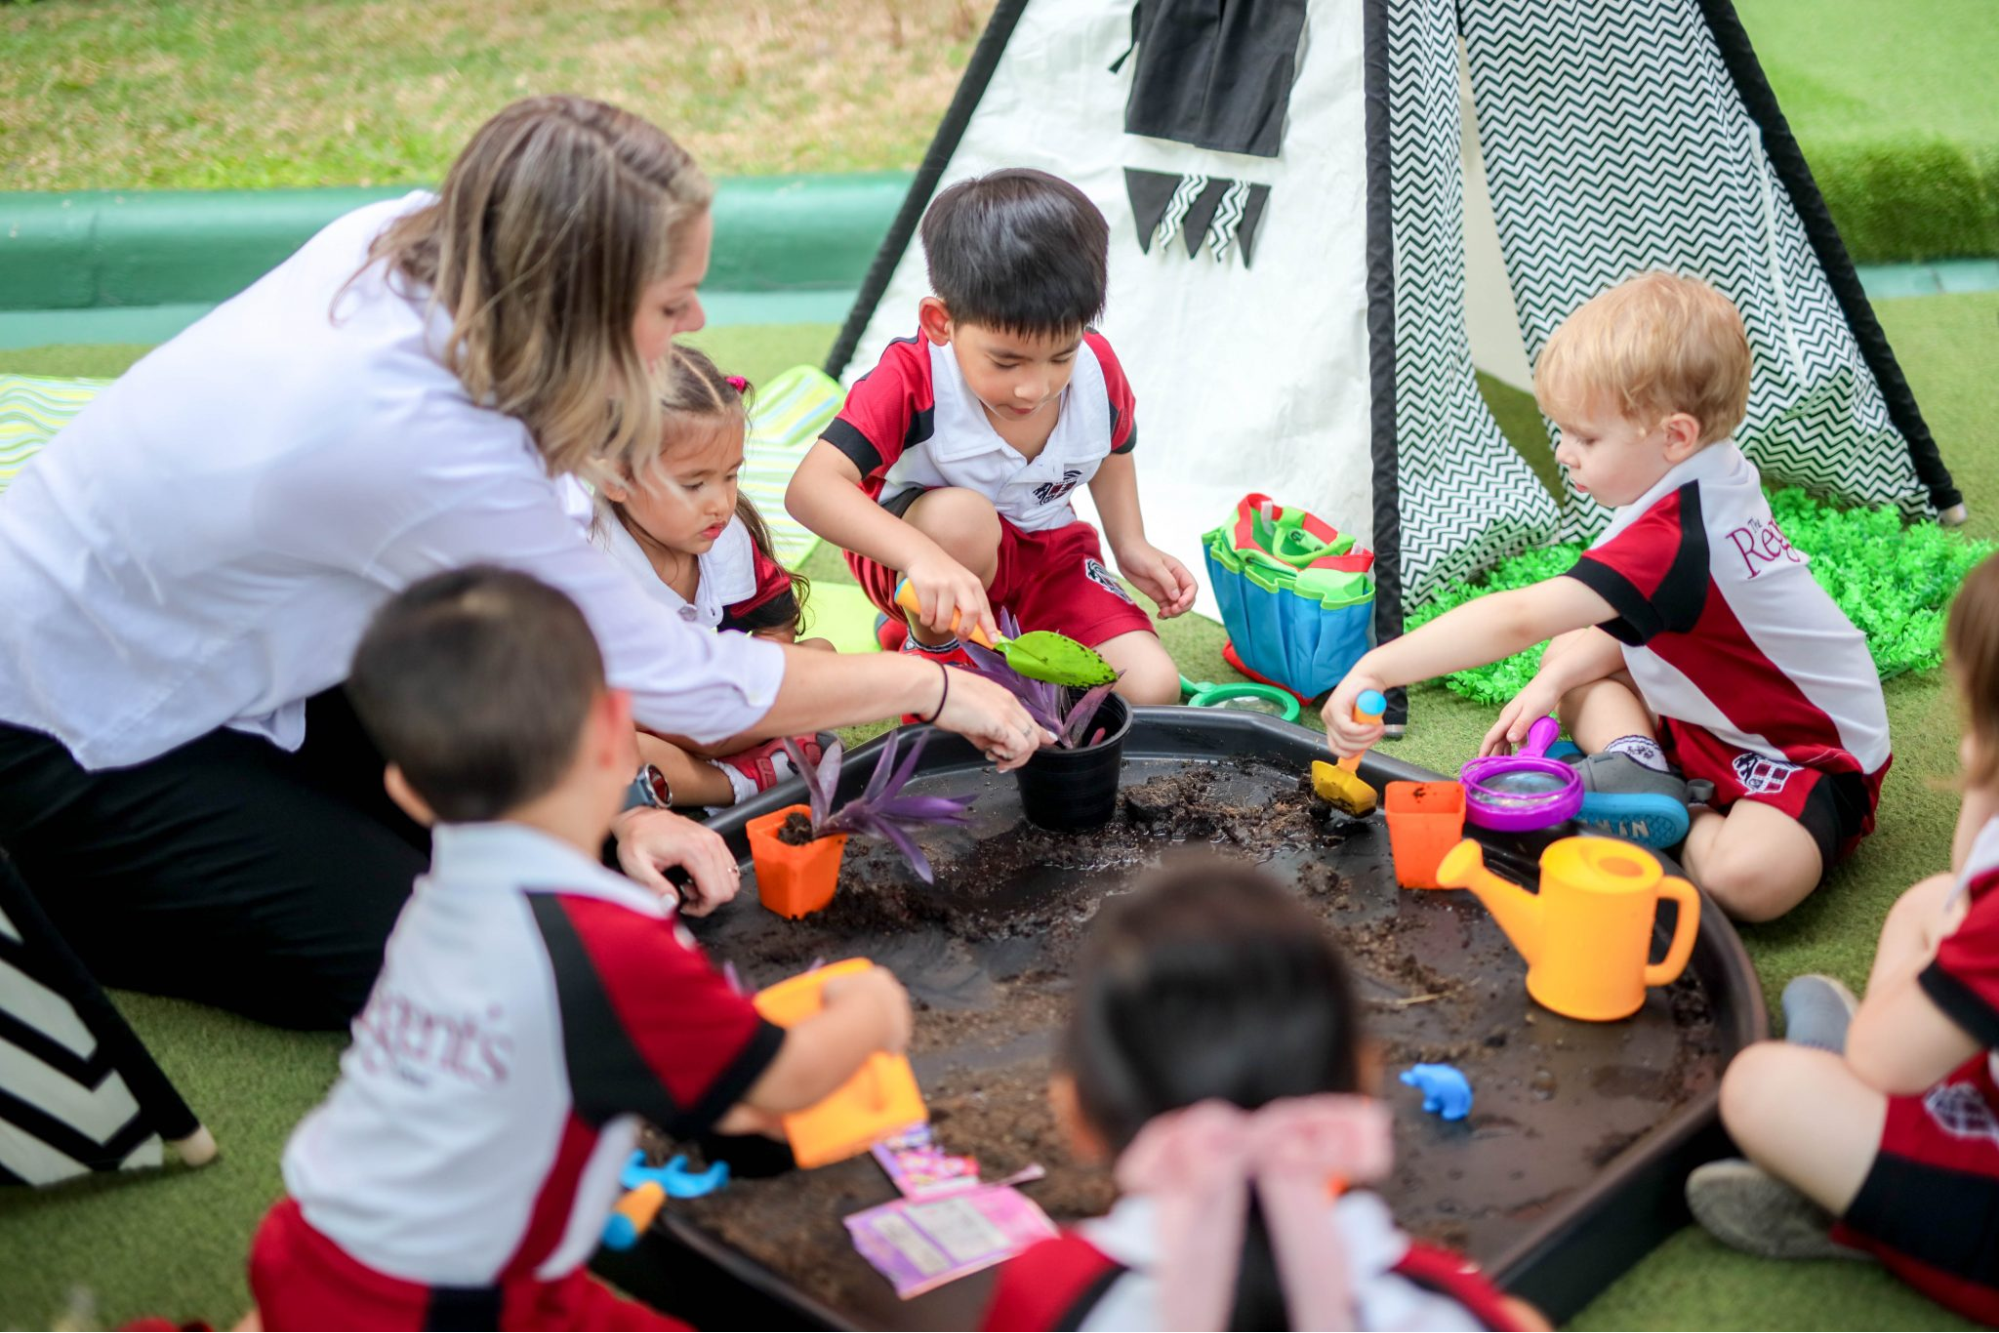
<point>1214,1055</point>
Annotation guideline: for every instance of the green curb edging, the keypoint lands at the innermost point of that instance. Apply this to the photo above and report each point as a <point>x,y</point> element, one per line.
<point>98,249</point>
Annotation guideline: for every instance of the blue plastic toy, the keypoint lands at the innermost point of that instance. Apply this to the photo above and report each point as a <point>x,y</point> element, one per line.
<point>648,1187</point>
<point>1446,1091</point>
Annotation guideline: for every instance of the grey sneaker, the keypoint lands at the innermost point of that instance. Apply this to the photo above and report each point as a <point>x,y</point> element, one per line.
<point>1635,801</point>
<point>1748,1209</point>
<point>1817,1012</point>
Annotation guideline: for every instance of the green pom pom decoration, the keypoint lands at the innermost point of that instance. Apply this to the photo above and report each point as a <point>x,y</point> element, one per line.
<point>1893,581</point>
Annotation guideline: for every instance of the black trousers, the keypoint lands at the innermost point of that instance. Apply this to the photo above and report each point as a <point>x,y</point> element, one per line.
<point>226,871</point>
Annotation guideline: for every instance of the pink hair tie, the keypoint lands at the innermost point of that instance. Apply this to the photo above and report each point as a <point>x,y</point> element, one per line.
<point>1198,1164</point>
<point>738,383</point>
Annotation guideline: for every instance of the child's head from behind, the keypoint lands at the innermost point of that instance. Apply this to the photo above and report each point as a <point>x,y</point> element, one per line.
<point>1971,646</point>
<point>1018,260</point>
<point>1642,377</point>
<point>484,690</point>
<point>682,498</point>
<point>1208,982</point>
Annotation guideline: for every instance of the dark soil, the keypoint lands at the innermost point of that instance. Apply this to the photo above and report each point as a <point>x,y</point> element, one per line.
<point>796,830</point>
<point>986,954</point>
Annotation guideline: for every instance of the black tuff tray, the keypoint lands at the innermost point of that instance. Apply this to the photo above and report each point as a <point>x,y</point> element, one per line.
<point>1564,1176</point>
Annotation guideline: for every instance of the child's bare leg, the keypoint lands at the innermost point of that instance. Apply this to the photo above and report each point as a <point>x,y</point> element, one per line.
<point>967,526</point>
<point>694,780</point>
<point>1756,862</point>
<point>1149,676</point>
<point>1604,711</point>
<point>1804,1117</point>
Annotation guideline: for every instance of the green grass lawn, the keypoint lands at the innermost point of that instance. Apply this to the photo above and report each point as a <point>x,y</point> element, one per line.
<point>175,1243</point>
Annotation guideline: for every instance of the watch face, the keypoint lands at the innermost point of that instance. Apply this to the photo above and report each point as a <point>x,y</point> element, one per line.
<point>655,783</point>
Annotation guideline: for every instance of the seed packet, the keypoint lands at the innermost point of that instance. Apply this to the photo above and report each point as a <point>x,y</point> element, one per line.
<point>919,1169</point>
<point>921,1244</point>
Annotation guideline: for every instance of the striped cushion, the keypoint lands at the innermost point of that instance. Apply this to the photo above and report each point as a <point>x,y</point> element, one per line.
<point>31,410</point>
<point>786,416</point>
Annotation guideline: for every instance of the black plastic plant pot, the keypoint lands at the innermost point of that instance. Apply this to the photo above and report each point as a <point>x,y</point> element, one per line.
<point>1073,791</point>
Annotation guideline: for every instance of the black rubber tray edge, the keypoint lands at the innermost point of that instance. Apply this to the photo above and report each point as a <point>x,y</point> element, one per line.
<point>1560,1263</point>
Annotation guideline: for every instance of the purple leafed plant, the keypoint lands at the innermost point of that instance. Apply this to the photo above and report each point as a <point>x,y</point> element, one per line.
<point>881,810</point>
<point>1041,699</point>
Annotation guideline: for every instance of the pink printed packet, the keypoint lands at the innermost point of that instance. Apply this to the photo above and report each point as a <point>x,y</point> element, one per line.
<point>921,1244</point>
<point>919,1169</point>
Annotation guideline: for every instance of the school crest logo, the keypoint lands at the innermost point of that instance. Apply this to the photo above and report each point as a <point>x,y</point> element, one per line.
<point>1960,1111</point>
<point>1101,576</point>
<point>1050,491</point>
<point>1760,776</point>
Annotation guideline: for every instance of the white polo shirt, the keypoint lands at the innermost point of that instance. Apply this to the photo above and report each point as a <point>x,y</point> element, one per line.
<point>204,544</point>
<point>914,424</point>
<point>728,568</point>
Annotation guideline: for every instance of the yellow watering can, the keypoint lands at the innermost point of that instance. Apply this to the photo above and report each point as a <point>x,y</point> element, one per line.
<point>1587,934</point>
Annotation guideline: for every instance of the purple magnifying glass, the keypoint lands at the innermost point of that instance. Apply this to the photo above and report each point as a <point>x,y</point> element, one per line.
<point>1523,792</point>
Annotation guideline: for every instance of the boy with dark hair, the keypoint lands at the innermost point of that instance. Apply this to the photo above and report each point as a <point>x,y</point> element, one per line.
<point>953,461</point>
<point>531,1007</point>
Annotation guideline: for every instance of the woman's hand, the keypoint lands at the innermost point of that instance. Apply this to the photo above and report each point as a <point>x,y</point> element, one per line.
<point>1540,697</point>
<point>652,841</point>
<point>1344,736</point>
<point>991,718</point>
<point>1160,577</point>
<point>946,589</point>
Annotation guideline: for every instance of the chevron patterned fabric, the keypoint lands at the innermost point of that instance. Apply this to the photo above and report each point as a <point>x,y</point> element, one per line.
<point>1467,499</point>
<point>1615,140</point>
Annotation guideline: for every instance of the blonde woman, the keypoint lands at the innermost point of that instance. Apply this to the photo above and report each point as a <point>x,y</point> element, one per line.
<point>187,568</point>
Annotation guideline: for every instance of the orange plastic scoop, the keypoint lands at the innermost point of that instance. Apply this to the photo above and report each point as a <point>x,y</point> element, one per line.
<point>880,1100</point>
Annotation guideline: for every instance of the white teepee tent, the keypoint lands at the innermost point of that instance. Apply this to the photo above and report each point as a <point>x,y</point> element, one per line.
<point>1287,197</point>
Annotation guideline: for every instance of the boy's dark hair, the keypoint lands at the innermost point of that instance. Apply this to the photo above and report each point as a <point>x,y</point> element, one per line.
<point>1019,251</point>
<point>476,684</point>
<point>1210,982</point>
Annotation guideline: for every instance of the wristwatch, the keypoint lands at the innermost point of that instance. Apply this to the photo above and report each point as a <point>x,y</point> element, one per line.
<point>649,789</point>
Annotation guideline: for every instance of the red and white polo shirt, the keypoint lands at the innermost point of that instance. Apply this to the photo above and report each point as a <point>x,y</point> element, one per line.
<point>531,1007</point>
<point>913,423</point>
<point>1724,627</point>
<point>1963,979</point>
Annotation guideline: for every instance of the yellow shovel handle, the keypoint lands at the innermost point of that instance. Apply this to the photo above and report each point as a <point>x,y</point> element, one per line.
<point>905,597</point>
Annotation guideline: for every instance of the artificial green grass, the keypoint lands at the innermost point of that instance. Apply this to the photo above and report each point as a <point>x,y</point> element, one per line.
<point>175,1243</point>
<point>1892,105</point>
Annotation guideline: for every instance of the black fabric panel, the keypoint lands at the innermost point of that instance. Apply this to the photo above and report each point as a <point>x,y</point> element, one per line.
<point>978,72</point>
<point>463,1309</point>
<point>1961,1004</point>
<point>1252,214</point>
<point>1202,212</point>
<point>1946,1219</point>
<point>1215,75</point>
<point>847,438</point>
<point>1636,622</point>
<point>1099,1287</point>
<point>1682,595</point>
<point>1791,168</point>
<point>1380,341</point>
<point>1149,192</point>
<point>607,1075</point>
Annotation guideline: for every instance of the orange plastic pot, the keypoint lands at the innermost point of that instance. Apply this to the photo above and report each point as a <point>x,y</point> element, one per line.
<point>1425,820</point>
<point>794,881</point>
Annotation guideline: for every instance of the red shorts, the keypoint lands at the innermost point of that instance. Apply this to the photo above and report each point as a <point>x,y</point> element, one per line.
<point>1053,580</point>
<point>1929,1208</point>
<point>1837,809</point>
<point>302,1280</point>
